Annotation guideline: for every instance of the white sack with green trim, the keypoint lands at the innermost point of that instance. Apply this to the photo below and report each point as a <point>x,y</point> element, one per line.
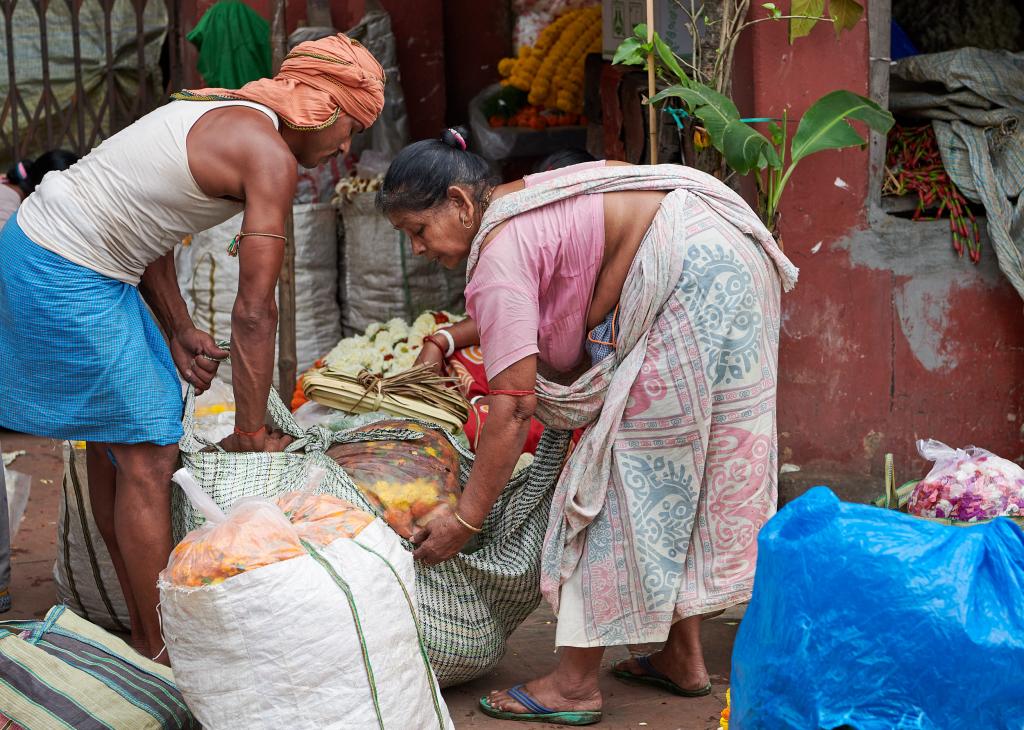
<point>296,613</point>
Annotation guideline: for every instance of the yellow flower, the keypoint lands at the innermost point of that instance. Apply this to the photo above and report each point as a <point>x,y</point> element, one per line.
<point>583,37</point>
<point>723,721</point>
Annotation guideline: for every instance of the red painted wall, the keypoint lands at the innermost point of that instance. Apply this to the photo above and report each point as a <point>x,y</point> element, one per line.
<point>878,349</point>
<point>419,28</point>
<point>344,14</point>
<point>471,59</point>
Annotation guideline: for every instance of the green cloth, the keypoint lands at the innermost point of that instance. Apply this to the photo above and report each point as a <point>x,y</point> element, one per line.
<point>234,45</point>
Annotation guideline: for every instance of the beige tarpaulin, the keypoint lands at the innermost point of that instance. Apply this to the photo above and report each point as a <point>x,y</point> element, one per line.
<point>114,96</point>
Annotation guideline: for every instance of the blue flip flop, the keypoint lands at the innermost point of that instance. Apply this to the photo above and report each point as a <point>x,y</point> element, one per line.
<point>538,712</point>
<point>654,678</point>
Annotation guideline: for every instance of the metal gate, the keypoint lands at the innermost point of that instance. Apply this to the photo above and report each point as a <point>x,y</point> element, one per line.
<point>78,71</point>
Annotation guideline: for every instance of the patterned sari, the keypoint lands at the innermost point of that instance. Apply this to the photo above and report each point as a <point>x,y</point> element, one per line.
<point>656,514</point>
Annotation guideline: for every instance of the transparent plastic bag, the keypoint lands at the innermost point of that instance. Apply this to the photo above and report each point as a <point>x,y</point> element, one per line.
<point>320,518</point>
<point>256,532</point>
<point>967,485</point>
<point>408,480</point>
<point>19,486</point>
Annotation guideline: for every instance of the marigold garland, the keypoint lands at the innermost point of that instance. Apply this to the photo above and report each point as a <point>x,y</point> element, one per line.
<point>552,70</point>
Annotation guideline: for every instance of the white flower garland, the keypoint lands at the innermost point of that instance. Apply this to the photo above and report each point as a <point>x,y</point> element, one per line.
<point>386,347</point>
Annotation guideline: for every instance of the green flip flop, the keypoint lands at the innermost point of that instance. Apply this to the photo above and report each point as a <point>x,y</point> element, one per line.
<point>654,678</point>
<point>538,712</point>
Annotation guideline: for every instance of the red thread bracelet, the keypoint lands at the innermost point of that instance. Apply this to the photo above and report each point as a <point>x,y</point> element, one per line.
<point>435,343</point>
<point>513,393</point>
<point>240,432</point>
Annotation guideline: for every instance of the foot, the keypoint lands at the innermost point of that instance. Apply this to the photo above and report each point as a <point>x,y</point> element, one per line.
<point>689,673</point>
<point>554,692</point>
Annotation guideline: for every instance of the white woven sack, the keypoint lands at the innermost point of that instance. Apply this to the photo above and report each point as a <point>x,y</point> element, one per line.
<point>329,640</point>
<point>83,572</point>
<point>380,278</point>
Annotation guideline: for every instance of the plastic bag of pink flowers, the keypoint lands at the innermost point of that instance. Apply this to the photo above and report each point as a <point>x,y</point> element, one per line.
<point>967,485</point>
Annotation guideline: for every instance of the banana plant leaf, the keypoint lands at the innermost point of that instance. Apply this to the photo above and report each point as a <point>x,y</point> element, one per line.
<point>825,125</point>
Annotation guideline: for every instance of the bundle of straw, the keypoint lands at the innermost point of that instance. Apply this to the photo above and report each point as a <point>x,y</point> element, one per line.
<point>416,393</point>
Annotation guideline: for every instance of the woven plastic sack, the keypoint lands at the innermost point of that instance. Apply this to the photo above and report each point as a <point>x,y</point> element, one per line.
<point>867,618</point>
<point>84,574</point>
<point>967,485</point>
<point>340,646</point>
<point>406,480</point>
<point>64,672</point>
<point>380,278</point>
<point>469,605</point>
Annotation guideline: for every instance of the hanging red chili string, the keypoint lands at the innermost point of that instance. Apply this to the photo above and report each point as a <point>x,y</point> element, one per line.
<point>914,165</point>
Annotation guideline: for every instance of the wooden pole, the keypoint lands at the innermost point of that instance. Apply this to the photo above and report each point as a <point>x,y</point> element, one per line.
<point>287,359</point>
<point>652,112</point>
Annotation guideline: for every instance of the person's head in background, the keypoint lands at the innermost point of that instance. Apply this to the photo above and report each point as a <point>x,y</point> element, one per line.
<point>564,158</point>
<point>26,174</point>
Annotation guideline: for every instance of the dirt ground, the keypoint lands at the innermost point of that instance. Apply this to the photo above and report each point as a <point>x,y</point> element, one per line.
<point>530,652</point>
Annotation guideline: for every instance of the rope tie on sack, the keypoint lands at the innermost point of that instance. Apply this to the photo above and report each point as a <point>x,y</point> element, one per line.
<point>420,383</point>
<point>317,439</point>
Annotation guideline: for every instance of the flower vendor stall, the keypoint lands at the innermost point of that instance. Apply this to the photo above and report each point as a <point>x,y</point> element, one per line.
<point>538,106</point>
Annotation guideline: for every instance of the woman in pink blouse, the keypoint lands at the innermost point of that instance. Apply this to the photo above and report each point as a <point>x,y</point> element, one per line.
<point>641,303</point>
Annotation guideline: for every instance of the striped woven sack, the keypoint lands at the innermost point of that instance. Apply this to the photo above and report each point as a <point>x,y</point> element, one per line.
<point>469,605</point>
<point>83,571</point>
<point>64,672</point>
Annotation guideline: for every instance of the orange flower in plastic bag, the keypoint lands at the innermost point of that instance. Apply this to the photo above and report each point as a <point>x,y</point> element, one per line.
<point>320,518</point>
<point>407,480</point>
<point>257,533</point>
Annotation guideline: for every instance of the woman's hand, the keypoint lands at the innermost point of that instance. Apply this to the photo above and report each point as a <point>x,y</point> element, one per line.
<point>430,354</point>
<point>441,538</point>
<point>197,357</point>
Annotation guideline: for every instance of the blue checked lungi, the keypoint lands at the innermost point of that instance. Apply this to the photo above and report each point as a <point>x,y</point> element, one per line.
<point>80,355</point>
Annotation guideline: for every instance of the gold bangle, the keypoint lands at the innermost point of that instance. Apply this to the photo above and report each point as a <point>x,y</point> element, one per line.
<point>466,524</point>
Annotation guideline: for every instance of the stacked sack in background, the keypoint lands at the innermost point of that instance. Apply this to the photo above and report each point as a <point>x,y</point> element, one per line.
<point>341,646</point>
<point>84,574</point>
<point>379,278</point>
<point>209,278</point>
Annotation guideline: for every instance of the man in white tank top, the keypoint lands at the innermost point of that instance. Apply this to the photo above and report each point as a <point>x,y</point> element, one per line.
<point>86,361</point>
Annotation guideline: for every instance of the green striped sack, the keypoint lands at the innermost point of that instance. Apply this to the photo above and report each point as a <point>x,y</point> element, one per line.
<point>64,672</point>
<point>468,605</point>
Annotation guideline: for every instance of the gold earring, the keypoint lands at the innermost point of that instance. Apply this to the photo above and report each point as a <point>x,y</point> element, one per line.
<point>465,223</point>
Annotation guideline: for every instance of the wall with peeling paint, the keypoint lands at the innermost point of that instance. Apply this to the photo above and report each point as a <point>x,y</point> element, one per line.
<point>888,337</point>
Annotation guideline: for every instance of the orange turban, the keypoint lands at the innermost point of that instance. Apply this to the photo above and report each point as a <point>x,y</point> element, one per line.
<point>318,81</point>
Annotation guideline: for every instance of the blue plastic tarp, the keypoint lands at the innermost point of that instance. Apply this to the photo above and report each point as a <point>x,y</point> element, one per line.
<point>867,618</point>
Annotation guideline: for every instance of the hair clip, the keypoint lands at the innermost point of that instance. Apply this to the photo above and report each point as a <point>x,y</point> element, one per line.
<point>458,138</point>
